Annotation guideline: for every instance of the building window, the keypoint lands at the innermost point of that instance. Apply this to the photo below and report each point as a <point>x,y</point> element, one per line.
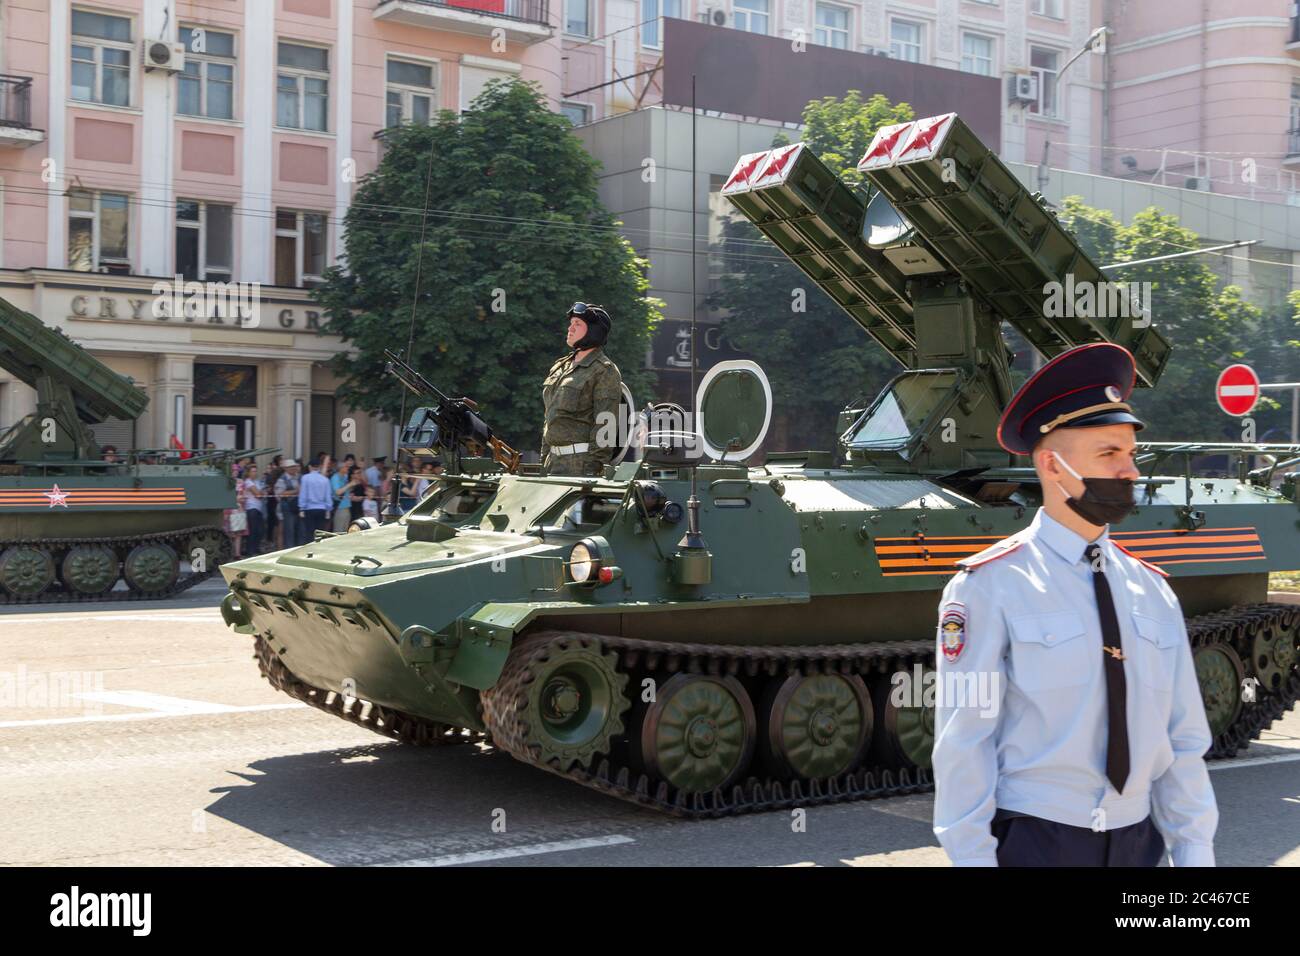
<point>577,17</point>
<point>99,230</point>
<point>578,113</point>
<point>203,240</point>
<point>905,40</point>
<point>101,58</point>
<point>977,54</point>
<point>412,93</point>
<point>1049,8</point>
<point>302,87</point>
<point>832,26</point>
<point>652,20</point>
<point>299,247</point>
<point>1042,64</point>
<point>751,16</point>
<point>207,87</point>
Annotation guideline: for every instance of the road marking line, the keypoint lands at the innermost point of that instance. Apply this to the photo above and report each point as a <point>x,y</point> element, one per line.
<point>114,718</point>
<point>1253,761</point>
<point>109,618</point>
<point>480,856</point>
<point>155,703</point>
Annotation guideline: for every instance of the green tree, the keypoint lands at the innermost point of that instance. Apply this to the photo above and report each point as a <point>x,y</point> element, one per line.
<point>818,360</point>
<point>515,234</point>
<point>1208,327</point>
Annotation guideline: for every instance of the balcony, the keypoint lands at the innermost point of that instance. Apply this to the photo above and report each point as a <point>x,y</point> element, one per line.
<point>16,112</point>
<point>524,21</point>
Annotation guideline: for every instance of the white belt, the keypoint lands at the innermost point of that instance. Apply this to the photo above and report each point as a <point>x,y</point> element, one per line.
<point>577,449</point>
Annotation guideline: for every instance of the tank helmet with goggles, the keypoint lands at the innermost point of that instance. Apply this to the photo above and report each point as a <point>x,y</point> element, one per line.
<point>598,324</point>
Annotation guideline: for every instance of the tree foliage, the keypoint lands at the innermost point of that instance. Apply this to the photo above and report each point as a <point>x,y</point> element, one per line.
<point>1209,327</point>
<point>515,234</point>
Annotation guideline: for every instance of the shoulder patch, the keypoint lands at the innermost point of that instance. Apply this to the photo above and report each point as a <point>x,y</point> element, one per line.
<point>991,553</point>
<point>1158,570</point>
<point>952,630</point>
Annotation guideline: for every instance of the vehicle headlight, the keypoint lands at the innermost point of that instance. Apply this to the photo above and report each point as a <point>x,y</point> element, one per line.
<point>582,563</point>
<point>591,561</point>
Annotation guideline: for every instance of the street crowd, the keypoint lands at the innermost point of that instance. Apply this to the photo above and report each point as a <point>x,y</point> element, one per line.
<point>282,506</point>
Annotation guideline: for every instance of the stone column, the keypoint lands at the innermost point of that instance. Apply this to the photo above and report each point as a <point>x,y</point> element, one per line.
<point>290,384</point>
<point>173,376</point>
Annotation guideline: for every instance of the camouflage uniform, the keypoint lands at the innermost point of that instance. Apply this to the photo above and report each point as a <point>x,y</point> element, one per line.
<point>574,395</point>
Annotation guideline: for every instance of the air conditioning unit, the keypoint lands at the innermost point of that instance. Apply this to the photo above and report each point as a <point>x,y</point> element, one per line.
<point>717,17</point>
<point>164,55</point>
<point>1022,88</point>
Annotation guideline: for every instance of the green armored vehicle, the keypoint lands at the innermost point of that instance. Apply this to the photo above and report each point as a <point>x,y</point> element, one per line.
<point>746,657</point>
<point>73,525</point>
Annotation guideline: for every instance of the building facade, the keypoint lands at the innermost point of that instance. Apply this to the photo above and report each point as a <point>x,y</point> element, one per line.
<point>219,141</point>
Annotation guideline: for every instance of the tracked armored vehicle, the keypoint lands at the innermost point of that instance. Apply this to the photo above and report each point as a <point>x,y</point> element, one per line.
<point>72,525</point>
<point>744,659</point>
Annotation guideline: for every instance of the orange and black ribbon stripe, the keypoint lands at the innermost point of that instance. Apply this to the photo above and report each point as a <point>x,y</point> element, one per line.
<point>91,497</point>
<point>939,555</point>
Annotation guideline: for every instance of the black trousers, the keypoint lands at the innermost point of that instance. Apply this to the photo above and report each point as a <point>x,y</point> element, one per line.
<point>313,520</point>
<point>1033,841</point>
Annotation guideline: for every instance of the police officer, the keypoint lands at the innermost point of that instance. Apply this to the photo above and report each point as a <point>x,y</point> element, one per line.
<point>581,396</point>
<point>1088,750</point>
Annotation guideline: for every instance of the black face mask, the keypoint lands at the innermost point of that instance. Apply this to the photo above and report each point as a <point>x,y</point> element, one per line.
<point>1104,501</point>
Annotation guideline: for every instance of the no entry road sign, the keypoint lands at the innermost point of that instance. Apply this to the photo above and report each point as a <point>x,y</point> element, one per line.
<point>1237,389</point>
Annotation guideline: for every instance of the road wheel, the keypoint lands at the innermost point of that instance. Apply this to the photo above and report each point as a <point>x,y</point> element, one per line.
<point>214,546</point>
<point>904,733</point>
<point>26,571</point>
<point>817,725</point>
<point>90,569</point>
<point>699,733</point>
<point>151,568</point>
<point>1220,672</point>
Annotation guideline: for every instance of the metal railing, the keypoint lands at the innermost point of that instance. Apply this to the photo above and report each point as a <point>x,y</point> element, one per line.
<point>1293,142</point>
<point>15,101</point>
<point>526,11</point>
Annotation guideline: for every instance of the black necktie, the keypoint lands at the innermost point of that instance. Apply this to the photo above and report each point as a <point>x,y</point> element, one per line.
<point>1116,705</point>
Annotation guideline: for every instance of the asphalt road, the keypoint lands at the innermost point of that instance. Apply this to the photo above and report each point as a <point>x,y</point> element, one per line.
<point>143,735</point>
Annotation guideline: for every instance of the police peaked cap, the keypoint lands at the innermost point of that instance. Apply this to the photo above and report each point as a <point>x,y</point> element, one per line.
<point>1084,387</point>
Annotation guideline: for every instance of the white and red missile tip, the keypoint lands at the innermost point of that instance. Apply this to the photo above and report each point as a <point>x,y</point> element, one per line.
<point>777,169</point>
<point>881,151</point>
<point>738,181</point>
<point>926,138</point>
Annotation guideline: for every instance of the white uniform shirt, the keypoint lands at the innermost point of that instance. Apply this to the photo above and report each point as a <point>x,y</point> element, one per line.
<point>1026,624</point>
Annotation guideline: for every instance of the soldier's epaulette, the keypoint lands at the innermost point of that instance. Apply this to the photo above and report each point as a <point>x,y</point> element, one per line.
<point>1158,570</point>
<point>991,553</point>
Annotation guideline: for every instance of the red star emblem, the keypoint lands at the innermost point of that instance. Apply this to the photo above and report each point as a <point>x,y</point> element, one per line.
<point>884,144</point>
<point>926,134</point>
<point>57,497</point>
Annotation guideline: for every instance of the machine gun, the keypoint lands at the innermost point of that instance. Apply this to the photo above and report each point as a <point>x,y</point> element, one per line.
<point>451,424</point>
<point>948,246</point>
<point>73,389</point>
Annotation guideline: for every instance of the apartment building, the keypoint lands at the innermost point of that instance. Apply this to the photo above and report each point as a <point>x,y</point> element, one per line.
<point>219,140</point>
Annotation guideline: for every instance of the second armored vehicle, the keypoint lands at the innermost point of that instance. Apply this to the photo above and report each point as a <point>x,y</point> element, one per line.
<point>72,525</point>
